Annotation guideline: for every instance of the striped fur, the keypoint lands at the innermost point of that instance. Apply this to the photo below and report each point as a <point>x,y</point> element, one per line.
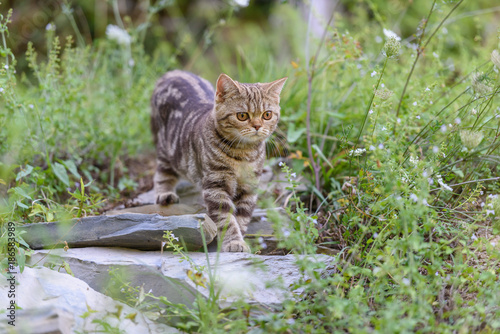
<point>199,136</point>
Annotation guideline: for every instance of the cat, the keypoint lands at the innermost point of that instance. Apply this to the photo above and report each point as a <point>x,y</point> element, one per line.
<point>216,140</point>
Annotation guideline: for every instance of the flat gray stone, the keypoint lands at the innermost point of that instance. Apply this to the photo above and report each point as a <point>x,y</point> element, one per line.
<point>257,279</point>
<point>54,302</point>
<point>137,231</point>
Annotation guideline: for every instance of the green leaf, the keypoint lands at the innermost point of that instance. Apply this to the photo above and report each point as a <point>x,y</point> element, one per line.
<point>60,172</point>
<point>293,135</point>
<point>24,172</point>
<point>20,204</point>
<point>21,192</point>
<point>70,165</point>
<point>21,259</point>
<point>316,148</point>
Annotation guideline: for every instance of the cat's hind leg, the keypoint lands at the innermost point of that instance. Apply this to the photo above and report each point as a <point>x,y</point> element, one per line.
<point>165,180</point>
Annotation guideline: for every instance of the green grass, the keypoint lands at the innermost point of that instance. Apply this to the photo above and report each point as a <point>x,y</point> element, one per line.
<point>414,256</point>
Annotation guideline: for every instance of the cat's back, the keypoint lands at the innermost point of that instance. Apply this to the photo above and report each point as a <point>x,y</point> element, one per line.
<point>180,97</point>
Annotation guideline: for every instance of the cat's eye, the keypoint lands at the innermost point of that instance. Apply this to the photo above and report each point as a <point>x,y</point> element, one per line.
<point>242,116</point>
<point>267,115</point>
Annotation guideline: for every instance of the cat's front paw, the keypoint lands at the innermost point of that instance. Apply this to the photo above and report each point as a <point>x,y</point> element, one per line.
<point>167,198</point>
<point>235,246</point>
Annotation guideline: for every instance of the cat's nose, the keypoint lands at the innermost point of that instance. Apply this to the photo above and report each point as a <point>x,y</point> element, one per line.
<point>257,127</point>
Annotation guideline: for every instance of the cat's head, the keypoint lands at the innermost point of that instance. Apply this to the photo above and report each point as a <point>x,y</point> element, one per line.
<point>247,113</point>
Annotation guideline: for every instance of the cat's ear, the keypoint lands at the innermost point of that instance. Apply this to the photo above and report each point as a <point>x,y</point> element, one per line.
<point>225,86</point>
<point>274,88</point>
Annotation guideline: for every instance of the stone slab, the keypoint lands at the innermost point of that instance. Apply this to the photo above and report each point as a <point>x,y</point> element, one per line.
<point>137,231</point>
<point>54,302</point>
<point>257,279</point>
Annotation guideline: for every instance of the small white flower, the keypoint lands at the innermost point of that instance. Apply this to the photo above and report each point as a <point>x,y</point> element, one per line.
<point>389,33</point>
<point>375,235</point>
<point>493,243</point>
<point>293,175</point>
<point>315,222</point>
<point>398,120</point>
<point>442,184</point>
<point>174,237</point>
<point>424,202</point>
<point>286,233</point>
<point>444,30</point>
<point>372,148</point>
<point>497,116</point>
<point>418,116</point>
<point>427,89</point>
<point>382,85</point>
<point>1,90</point>
<point>405,281</point>
<point>490,212</point>
<point>31,106</point>
<point>490,195</point>
<point>281,164</point>
<point>370,112</point>
<point>414,198</point>
<point>373,74</point>
<point>381,146</point>
<point>357,152</point>
<point>150,291</point>
<point>415,103</point>
<point>482,204</point>
<point>376,270</point>
<point>424,173</point>
<point>473,237</point>
<point>430,180</point>
<point>6,67</point>
<point>443,128</point>
<point>50,27</point>
<point>384,128</point>
<point>242,3</point>
<point>263,245</point>
<point>260,240</point>
<point>458,120</point>
<point>473,111</point>
<point>490,205</point>
<point>378,39</point>
<point>131,63</point>
<point>435,55</point>
<point>435,149</point>
<point>430,102</point>
<point>117,34</point>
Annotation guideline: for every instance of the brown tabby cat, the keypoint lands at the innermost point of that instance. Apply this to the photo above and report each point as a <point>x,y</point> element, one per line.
<point>216,141</point>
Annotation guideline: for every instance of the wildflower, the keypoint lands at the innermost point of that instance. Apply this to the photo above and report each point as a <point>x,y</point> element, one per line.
<point>131,63</point>
<point>435,55</point>
<point>375,235</point>
<point>372,148</point>
<point>430,180</point>
<point>381,146</point>
<point>435,149</point>
<point>378,39</point>
<point>6,67</point>
<point>384,128</point>
<point>1,90</point>
<point>357,152</point>
<point>285,232</point>
<point>373,73</point>
<point>370,112</point>
<point>398,120</point>
<point>392,47</point>
<point>117,34</point>
<point>414,198</point>
<point>415,103</point>
<point>443,128</point>
<point>427,89</point>
<point>50,27</point>
<point>242,3</point>
<point>471,139</point>
<point>473,111</point>
<point>383,93</point>
<point>174,237</point>
<point>495,58</point>
<point>281,164</point>
<point>376,270</point>
<point>418,116</point>
<point>391,34</point>
<point>479,84</point>
<point>458,120</point>
<point>473,237</point>
<point>293,175</point>
<point>405,281</point>
<point>413,160</point>
<point>442,184</point>
<point>424,202</point>
<point>31,106</point>
<point>493,243</point>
